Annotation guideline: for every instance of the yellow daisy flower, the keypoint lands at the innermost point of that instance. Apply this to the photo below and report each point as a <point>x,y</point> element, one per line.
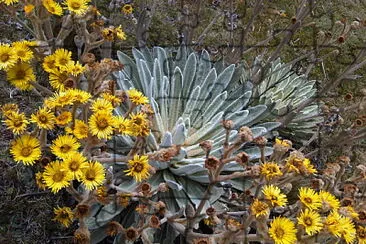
<point>309,198</point>
<point>101,104</point>
<point>101,124</point>
<point>74,68</point>
<point>8,57</point>
<point>282,231</point>
<point>44,119</point>
<point>62,57</point>
<point>270,170</point>
<point>22,51</point>
<point>60,99</point>
<point>75,162</point>
<point>122,125</point>
<point>259,208</point>
<point>93,175</point>
<point>311,221</point>
<point>138,167</point>
<point>56,176</point>
<point>64,118</point>
<point>274,196</point>
<point>112,99</point>
<point>127,9</point>
<point>9,2</point>
<point>9,108</point>
<point>17,122</point>
<point>52,7</point>
<point>63,215</point>
<point>348,230</point>
<point>80,96</point>
<point>81,129</point>
<point>120,34</point>
<point>137,97</point>
<point>332,223</point>
<point>28,8</point>
<point>26,149</point>
<point>49,64</point>
<point>63,145</point>
<point>57,80</point>
<point>329,201</point>
<point>21,75</point>
<point>139,125</point>
<point>78,7</point>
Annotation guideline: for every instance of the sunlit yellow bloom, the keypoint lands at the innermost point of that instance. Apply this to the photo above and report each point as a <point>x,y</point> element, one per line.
<point>274,196</point>
<point>112,99</point>
<point>309,198</point>
<point>22,51</point>
<point>57,80</point>
<point>137,97</point>
<point>63,215</point>
<point>60,99</point>
<point>138,124</point>
<point>17,122</point>
<point>74,68</point>
<point>28,8</point>
<point>78,7</point>
<point>80,130</point>
<point>122,125</point>
<point>9,108</point>
<point>44,119</point>
<point>49,64</point>
<point>21,75</point>
<point>63,145</point>
<point>80,96</point>
<point>311,221</point>
<point>259,208</point>
<point>64,118</point>
<point>62,57</point>
<point>93,175</point>
<point>361,234</point>
<point>101,124</point>
<point>26,149</point>
<point>127,9</point>
<point>348,230</point>
<point>40,181</point>
<point>270,170</point>
<point>56,176</point>
<point>75,162</point>
<point>329,201</point>
<point>9,2</point>
<point>101,104</point>
<point>282,231</point>
<point>138,167</point>
<point>332,223</point>
<point>52,7</point>
<point>8,57</point>
<point>120,34</point>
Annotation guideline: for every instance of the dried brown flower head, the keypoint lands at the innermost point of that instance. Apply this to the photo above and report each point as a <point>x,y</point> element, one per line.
<point>145,188</point>
<point>154,221</point>
<point>347,201</point>
<point>206,146</point>
<point>114,228</point>
<point>88,58</point>
<point>123,199</point>
<point>131,234</point>
<point>344,160</point>
<point>350,189</point>
<point>160,208</point>
<point>242,158</point>
<point>82,211</point>
<point>210,211</point>
<point>202,240</point>
<point>260,141</point>
<point>82,235</point>
<point>102,195</point>
<point>228,124</point>
<point>245,134</point>
<point>212,163</point>
<point>163,187</point>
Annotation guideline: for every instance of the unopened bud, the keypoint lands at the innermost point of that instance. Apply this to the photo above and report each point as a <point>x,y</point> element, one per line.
<point>242,158</point>
<point>245,134</point>
<point>206,146</point>
<point>211,163</point>
<point>261,141</point>
<point>228,124</point>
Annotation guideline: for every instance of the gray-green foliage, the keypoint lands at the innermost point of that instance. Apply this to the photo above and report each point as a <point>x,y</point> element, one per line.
<point>190,96</point>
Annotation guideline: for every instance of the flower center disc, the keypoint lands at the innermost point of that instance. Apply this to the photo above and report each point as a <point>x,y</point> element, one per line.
<point>5,57</point>
<point>102,123</point>
<point>65,148</point>
<point>26,151</point>
<point>279,233</point>
<point>90,175</point>
<point>58,176</point>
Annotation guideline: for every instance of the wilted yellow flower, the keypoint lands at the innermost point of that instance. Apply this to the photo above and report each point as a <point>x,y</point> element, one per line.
<point>63,215</point>
<point>311,221</point>
<point>44,119</point>
<point>93,175</point>
<point>138,125</point>
<point>259,208</point>
<point>56,176</point>
<point>64,118</point>
<point>282,231</point>
<point>329,201</point>
<point>21,75</point>
<point>127,8</point>
<point>26,149</point>
<point>63,145</point>
<point>120,34</point>
<point>138,167</point>
<point>309,198</point>
<point>274,196</point>
<point>16,122</point>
